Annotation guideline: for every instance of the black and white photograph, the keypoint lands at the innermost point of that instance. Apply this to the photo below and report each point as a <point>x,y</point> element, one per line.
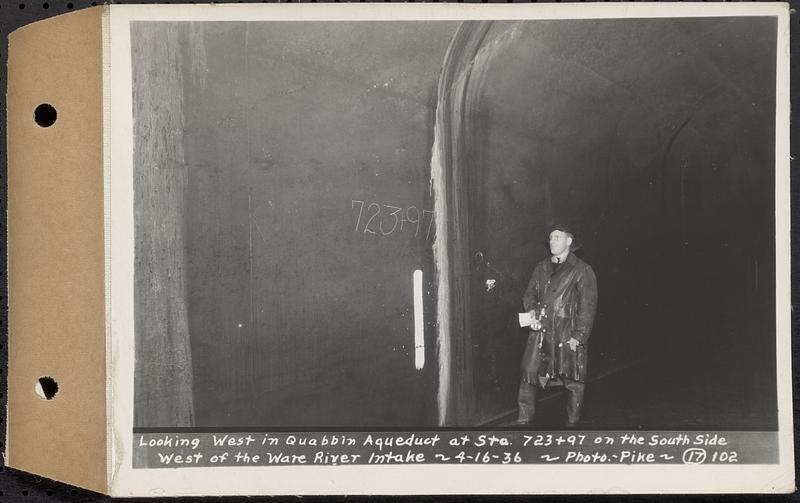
<point>511,225</point>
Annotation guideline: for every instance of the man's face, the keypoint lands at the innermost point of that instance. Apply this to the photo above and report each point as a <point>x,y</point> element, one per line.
<point>559,242</point>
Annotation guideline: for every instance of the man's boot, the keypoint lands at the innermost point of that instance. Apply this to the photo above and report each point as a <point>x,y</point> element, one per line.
<point>526,401</point>
<point>574,402</point>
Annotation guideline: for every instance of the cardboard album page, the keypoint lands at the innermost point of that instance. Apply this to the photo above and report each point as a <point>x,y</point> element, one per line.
<point>56,255</point>
<point>413,249</point>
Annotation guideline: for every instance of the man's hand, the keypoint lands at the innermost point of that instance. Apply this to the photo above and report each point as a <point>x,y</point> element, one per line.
<point>573,343</point>
<point>536,325</point>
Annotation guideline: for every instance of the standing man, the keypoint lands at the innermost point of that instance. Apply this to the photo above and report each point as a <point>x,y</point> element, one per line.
<point>562,298</point>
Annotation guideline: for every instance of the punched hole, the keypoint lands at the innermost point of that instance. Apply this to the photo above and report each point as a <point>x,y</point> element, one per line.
<point>45,115</point>
<point>46,388</point>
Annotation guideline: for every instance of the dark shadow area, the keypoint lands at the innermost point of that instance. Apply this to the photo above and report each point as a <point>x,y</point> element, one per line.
<point>653,140</point>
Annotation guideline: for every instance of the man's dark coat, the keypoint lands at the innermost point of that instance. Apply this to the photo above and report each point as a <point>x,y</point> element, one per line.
<point>569,297</point>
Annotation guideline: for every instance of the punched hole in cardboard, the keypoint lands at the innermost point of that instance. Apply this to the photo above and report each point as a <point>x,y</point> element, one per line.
<point>45,115</point>
<point>46,388</point>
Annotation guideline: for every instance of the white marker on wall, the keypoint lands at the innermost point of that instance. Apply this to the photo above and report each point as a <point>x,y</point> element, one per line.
<point>419,322</point>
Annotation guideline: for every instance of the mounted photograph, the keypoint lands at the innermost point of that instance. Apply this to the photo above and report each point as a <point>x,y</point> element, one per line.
<point>524,222</point>
<point>399,248</point>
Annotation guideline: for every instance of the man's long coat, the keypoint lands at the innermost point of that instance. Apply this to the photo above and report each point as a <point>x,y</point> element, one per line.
<point>569,299</point>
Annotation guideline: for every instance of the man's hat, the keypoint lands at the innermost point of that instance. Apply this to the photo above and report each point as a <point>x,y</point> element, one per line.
<point>560,226</point>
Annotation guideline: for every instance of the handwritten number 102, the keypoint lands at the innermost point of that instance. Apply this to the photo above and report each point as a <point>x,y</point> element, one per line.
<point>386,219</point>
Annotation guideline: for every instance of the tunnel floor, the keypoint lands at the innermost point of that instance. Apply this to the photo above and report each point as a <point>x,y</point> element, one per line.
<point>674,392</point>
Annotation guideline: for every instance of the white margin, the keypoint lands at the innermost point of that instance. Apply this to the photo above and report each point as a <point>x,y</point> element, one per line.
<point>783,255</point>
<point>106,56</point>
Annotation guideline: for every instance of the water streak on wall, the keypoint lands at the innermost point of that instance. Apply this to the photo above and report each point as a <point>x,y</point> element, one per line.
<point>465,67</point>
<point>163,384</point>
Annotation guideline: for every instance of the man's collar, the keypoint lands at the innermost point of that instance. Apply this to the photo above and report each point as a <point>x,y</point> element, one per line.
<point>570,259</point>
